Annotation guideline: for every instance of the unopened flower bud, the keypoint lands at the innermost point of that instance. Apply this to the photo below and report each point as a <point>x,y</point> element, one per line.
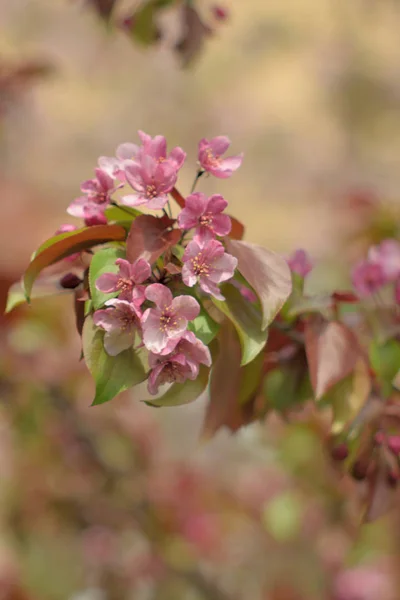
<point>220,13</point>
<point>392,479</point>
<point>359,470</point>
<point>70,281</point>
<point>340,452</point>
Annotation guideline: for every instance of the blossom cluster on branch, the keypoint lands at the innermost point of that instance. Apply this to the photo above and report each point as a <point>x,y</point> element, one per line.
<point>183,303</point>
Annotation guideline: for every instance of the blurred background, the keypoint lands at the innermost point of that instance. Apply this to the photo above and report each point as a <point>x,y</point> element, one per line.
<point>123,501</point>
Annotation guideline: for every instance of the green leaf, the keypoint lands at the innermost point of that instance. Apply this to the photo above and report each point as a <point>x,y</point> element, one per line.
<point>65,244</point>
<point>267,273</point>
<point>144,29</point>
<point>299,305</point>
<point>112,374</point>
<point>183,393</point>
<point>204,327</point>
<point>246,318</point>
<point>288,385</point>
<point>102,262</point>
<point>121,213</point>
<point>16,295</point>
<point>385,360</point>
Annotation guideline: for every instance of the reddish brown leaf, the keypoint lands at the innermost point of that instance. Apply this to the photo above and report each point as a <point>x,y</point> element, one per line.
<point>332,353</point>
<point>237,231</point>
<point>81,240</point>
<point>345,297</point>
<point>267,273</point>
<point>150,237</point>
<point>233,389</point>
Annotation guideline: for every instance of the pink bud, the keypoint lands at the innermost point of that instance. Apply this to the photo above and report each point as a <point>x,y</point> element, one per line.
<point>340,452</point>
<point>70,281</point>
<point>220,13</point>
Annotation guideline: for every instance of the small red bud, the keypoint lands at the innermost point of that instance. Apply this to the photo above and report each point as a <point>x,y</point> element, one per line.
<point>340,452</point>
<point>70,281</point>
<point>220,13</point>
<point>359,470</point>
<point>392,478</point>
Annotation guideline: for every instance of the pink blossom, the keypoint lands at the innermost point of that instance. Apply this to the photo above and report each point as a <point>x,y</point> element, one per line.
<point>210,157</point>
<point>169,319</point>
<point>97,197</point>
<point>387,256</point>
<point>151,180</point>
<point>209,265</point>
<point>191,347</point>
<point>94,217</point>
<point>168,369</point>
<point>204,214</point>
<point>121,323</point>
<point>126,280</point>
<point>367,278</point>
<point>180,360</point>
<point>129,153</point>
<point>300,263</point>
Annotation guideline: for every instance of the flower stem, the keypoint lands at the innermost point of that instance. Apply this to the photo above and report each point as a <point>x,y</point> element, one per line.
<point>199,173</point>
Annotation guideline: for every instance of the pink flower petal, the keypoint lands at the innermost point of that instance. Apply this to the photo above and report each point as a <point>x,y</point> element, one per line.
<point>140,270</point>
<point>117,341</point>
<point>186,306</point>
<point>154,338</point>
<point>188,277</point>
<point>107,283</point>
<point>210,288</point>
<point>221,224</point>
<point>76,208</point>
<point>159,294</point>
<point>178,156</point>
<point>196,203</point>
<point>232,163</point>
<point>219,145</point>
<point>127,151</point>
<point>124,268</point>
<point>216,204</point>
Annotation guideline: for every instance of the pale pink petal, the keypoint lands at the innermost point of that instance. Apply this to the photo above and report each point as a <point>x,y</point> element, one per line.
<point>232,163</point>
<point>216,204</point>
<point>210,287</point>
<point>186,219</point>
<point>159,294</point>
<point>213,250</point>
<point>117,341</point>
<point>106,319</point>
<point>188,276</point>
<point>221,224</point>
<point>196,203</point>
<point>124,268</point>
<point>219,145</point>
<point>154,338</point>
<point>178,156</point>
<point>137,295</point>
<point>133,174</point>
<point>76,208</point>
<point>104,179</point>
<point>107,283</point>
<point>127,151</point>
<point>66,228</point>
<point>186,306</point>
<point>145,138</point>
<point>158,202</point>
<point>152,382</point>
<point>133,200</point>
<point>140,270</point>
<point>159,147</point>
<point>192,250</point>
<point>109,165</point>
<point>223,268</point>
<point>90,186</point>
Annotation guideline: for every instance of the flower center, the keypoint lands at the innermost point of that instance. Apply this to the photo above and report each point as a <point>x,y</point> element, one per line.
<point>212,160</point>
<point>100,198</point>
<point>206,220</point>
<point>124,284</point>
<point>167,320</point>
<point>199,266</point>
<point>126,319</point>
<point>151,191</point>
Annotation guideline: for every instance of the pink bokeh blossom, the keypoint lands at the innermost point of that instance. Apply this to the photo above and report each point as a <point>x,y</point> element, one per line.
<point>168,369</point>
<point>126,281</point>
<point>387,256</point>
<point>210,157</point>
<point>300,263</point>
<point>207,265</point>
<point>169,319</point>
<point>204,215</point>
<point>367,278</point>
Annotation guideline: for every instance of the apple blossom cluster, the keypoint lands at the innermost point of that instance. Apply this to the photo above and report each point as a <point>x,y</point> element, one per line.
<point>381,268</point>
<point>144,312</point>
